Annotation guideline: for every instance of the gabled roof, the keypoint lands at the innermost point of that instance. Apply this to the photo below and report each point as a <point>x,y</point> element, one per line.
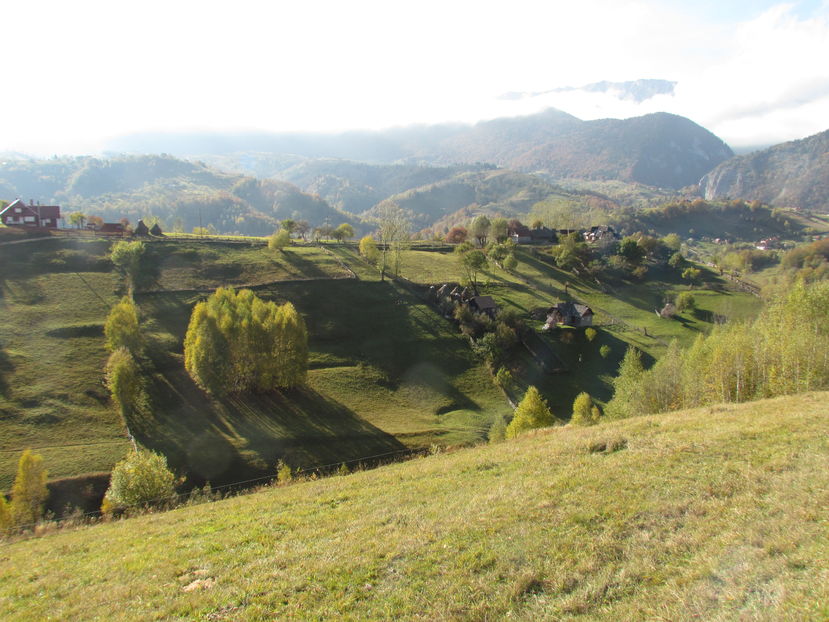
<point>42,211</point>
<point>572,308</point>
<point>484,303</point>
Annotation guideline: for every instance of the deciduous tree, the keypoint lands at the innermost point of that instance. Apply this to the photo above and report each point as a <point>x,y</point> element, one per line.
<point>121,327</point>
<point>142,479</point>
<point>29,491</point>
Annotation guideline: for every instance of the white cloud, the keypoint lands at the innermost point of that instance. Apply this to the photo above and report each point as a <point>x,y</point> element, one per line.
<point>92,69</point>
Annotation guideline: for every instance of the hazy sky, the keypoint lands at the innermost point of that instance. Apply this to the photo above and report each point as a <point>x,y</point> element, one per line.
<point>77,73</point>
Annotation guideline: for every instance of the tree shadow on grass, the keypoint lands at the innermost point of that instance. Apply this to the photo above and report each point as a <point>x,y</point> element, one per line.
<point>6,367</point>
<point>239,437</point>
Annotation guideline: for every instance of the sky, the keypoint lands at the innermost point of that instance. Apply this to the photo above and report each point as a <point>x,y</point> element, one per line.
<point>80,73</point>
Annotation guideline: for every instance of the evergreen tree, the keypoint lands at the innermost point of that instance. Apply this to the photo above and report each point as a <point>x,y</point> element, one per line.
<point>627,391</point>
<point>584,411</point>
<point>532,412</point>
<point>121,327</point>
<point>29,491</point>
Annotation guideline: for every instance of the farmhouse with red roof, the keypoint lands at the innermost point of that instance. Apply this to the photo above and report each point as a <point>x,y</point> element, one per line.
<point>17,213</point>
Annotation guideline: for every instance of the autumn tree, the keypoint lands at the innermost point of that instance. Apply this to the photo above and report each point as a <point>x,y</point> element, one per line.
<point>393,229</point>
<point>29,491</point>
<point>472,263</point>
<point>479,229</point>
<point>368,249</point>
<point>237,342</point>
<point>121,327</point>
<point>125,383</point>
<point>457,235</point>
<point>343,232</point>
<point>279,240</point>
<point>132,261</point>
<point>585,412</point>
<point>142,479</point>
<point>498,229</point>
<point>532,412</point>
<point>77,219</point>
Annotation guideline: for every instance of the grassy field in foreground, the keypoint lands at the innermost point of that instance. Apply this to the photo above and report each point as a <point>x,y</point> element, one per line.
<point>718,513</point>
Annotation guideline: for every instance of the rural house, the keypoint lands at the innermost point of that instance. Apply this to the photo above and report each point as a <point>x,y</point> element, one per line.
<point>17,213</point>
<point>569,314</point>
<point>483,304</point>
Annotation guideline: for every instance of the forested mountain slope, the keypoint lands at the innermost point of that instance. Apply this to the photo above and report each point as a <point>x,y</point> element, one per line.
<point>795,173</point>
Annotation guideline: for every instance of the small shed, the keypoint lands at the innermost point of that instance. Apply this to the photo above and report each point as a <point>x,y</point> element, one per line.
<point>141,229</point>
<point>483,304</point>
<point>156,230</point>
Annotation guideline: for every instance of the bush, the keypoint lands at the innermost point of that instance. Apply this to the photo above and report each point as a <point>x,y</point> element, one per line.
<point>685,300</point>
<point>279,240</point>
<point>584,411</point>
<point>6,522</point>
<point>590,333</point>
<point>498,430</point>
<point>142,479</point>
<point>284,474</point>
<point>531,413</point>
<point>604,351</point>
<point>29,491</point>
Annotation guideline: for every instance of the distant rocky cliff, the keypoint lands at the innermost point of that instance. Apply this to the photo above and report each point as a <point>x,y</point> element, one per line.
<point>794,173</point>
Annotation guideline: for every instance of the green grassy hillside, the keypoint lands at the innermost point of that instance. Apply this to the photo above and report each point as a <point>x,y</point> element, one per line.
<point>386,374</point>
<point>715,514</point>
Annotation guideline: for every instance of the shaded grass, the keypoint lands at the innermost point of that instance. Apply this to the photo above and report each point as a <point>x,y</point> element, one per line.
<point>716,513</point>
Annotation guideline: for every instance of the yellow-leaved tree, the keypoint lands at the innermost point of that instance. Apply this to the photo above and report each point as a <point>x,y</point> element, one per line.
<point>532,412</point>
<point>238,342</point>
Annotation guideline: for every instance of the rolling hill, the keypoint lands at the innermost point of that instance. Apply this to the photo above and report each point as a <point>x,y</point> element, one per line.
<point>791,174</point>
<point>178,192</point>
<point>717,513</point>
<point>657,149</point>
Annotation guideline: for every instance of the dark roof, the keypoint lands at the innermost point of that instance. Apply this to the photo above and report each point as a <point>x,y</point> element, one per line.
<point>156,230</point>
<point>572,308</point>
<point>484,303</point>
<point>141,228</point>
<point>111,227</point>
<point>522,231</point>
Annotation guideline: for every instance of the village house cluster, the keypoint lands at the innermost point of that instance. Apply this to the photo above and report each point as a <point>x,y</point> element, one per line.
<point>36,216</point>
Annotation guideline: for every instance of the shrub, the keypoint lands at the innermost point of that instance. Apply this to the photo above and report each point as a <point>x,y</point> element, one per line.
<point>685,300</point>
<point>142,479</point>
<point>29,491</point>
<point>584,411</point>
<point>498,430</point>
<point>279,240</point>
<point>531,413</point>
<point>284,474</point>
<point>604,351</point>
<point>504,379</point>
<point>510,262</point>
<point>590,333</point>
<point>6,522</point>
